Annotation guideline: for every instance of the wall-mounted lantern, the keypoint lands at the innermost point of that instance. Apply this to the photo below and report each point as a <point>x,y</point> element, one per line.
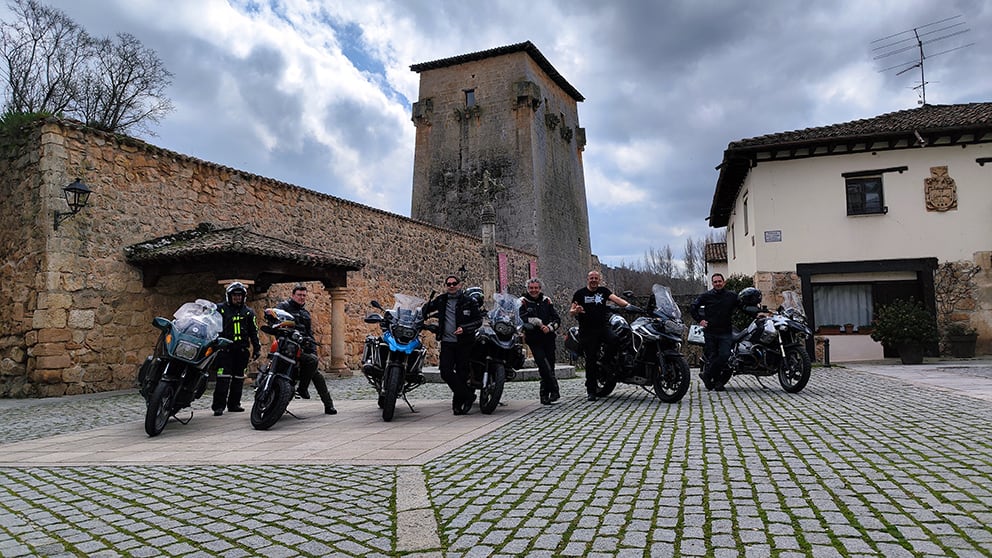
<point>76,195</point>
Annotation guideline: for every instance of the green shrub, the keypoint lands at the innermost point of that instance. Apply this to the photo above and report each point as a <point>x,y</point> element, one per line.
<point>904,322</point>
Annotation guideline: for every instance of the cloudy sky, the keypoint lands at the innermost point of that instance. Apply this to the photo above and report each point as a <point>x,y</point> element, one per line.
<point>318,93</point>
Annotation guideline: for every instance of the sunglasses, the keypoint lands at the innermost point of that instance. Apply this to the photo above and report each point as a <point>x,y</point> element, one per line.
<point>450,284</point>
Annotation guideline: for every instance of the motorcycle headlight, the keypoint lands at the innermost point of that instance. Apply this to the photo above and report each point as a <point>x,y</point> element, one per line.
<point>504,330</point>
<point>674,328</point>
<point>187,350</point>
<point>404,334</point>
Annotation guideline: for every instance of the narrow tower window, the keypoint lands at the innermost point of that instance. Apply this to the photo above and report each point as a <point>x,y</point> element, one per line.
<point>469,98</point>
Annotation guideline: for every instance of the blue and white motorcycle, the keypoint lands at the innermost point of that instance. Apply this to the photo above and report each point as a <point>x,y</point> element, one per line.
<point>393,362</point>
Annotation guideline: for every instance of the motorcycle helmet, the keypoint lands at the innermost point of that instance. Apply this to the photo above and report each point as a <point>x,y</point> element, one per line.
<point>234,288</point>
<point>750,297</point>
<point>277,317</point>
<point>476,294</point>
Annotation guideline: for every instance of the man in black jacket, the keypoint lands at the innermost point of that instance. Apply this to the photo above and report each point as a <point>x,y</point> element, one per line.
<point>309,361</point>
<point>458,318</point>
<point>537,310</point>
<point>713,310</point>
<point>241,328</point>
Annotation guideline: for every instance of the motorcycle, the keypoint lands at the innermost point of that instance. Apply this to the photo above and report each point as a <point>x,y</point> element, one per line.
<point>393,362</point>
<point>276,381</point>
<point>647,352</point>
<point>176,373</point>
<point>497,352</point>
<point>773,344</point>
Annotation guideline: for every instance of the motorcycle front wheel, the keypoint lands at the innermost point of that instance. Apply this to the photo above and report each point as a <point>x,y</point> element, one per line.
<point>492,389</point>
<point>159,408</point>
<point>270,403</point>
<point>671,381</point>
<point>795,371</point>
<point>392,382</point>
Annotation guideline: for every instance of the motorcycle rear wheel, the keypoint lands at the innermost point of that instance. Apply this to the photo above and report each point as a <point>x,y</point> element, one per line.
<point>159,408</point>
<point>795,370</point>
<point>392,382</point>
<point>671,382</point>
<point>492,389</point>
<point>270,403</point>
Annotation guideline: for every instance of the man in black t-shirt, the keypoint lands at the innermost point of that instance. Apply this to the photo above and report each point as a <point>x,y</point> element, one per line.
<point>589,308</point>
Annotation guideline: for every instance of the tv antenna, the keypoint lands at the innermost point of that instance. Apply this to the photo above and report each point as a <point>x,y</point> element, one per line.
<point>919,40</point>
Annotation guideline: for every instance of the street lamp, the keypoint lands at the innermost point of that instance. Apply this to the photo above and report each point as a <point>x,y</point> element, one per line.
<point>76,195</point>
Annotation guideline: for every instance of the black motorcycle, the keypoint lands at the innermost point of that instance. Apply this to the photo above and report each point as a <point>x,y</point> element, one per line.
<point>393,362</point>
<point>497,352</point>
<point>647,352</point>
<point>772,344</point>
<point>176,373</point>
<point>276,381</point>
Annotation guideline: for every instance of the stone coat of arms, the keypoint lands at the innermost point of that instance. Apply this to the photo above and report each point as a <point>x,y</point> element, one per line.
<point>940,190</point>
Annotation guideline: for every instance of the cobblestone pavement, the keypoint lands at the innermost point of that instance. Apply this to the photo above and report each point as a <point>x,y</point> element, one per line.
<point>858,464</point>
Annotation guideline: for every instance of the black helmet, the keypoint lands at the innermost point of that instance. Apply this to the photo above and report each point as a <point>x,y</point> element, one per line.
<point>476,294</point>
<point>750,297</point>
<point>234,288</point>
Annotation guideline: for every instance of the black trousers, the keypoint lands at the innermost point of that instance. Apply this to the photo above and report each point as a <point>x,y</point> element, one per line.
<point>453,364</point>
<point>592,340</point>
<point>543,349</point>
<point>231,367</point>
<point>308,371</point>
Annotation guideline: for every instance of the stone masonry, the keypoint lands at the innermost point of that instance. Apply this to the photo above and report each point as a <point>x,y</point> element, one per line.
<point>76,317</point>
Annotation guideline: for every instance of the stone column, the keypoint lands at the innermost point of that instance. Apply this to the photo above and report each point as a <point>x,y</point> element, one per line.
<point>488,219</point>
<point>338,325</point>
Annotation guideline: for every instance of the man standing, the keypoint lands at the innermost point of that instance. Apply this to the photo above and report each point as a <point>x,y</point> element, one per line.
<point>537,310</point>
<point>458,318</point>
<point>239,327</point>
<point>713,310</point>
<point>589,308</point>
<point>308,361</point>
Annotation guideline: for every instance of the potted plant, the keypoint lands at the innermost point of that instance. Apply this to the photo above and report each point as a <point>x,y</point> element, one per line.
<point>961,340</point>
<point>908,327</point>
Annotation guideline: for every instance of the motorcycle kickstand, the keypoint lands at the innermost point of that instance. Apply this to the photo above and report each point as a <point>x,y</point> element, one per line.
<point>290,413</point>
<point>184,422</point>
<point>763,386</point>
<point>408,404</point>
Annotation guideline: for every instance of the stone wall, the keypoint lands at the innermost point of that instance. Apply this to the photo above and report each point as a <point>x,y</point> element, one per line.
<point>78,318</point>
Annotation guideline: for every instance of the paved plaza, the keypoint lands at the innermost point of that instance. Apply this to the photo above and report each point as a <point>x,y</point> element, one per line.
<point>869,460</point>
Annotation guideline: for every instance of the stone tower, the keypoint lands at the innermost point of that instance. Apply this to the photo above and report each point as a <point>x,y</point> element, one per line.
<point>502,126</point>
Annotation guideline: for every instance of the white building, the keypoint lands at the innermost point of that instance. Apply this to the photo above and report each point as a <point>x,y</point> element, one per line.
<point>858,214</point>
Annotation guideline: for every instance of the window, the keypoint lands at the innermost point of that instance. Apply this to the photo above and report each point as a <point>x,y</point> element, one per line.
<point>469,98</point>
<point>864,195</point>
<point>745,215</point>
<point>843,304</point>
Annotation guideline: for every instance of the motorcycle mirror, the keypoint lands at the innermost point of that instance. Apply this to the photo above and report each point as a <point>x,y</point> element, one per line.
<point>628,294</point>
<point>373,318</point>
<point>375,304</point>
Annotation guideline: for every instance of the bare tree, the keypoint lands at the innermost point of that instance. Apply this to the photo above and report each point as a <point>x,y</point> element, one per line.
<point>53,66</point>
<point>692,257</point>
<point>124,86</point>
<point>42,51</point>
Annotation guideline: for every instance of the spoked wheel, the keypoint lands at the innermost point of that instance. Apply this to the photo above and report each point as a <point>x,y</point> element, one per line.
<point>605,387</point>
<point>795,370</point>
<point>270,403</point>
<point>159,408</point>
<point>671,381</point>
<point>392,382</point>
<point>492,389</point>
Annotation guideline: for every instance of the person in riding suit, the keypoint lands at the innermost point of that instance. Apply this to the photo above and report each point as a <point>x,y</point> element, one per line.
<point>458,318</point>
<point>537,310</point>
<point>589,308</point>
<point>308,361</point>
<point>713,310</point>
<point>232,362</point>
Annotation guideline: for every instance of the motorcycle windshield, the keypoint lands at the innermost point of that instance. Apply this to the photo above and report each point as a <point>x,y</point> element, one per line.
<point>664,303</point>
<point>506,308</point>
<point>199,319</point>
<point>406,310</point>
<point>792,304</point>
